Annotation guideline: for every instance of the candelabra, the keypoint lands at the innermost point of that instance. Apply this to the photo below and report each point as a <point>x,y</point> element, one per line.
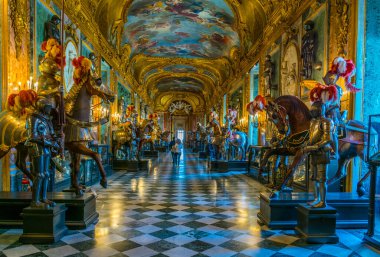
<point>243,125</point>
<point>115,118</point>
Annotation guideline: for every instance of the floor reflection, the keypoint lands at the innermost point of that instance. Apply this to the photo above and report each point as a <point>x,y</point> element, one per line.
<point>182,211</point>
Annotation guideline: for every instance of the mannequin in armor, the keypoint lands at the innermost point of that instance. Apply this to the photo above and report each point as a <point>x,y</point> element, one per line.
<point>307,52</point>
<point>319,147</point>
<point>51,28</point>
<point>41,144</point>
<point>213,115</point>
<point>50,79</point>
<point>94,67</point>
<point>232,115</point>
<point>268,74</point>
<point>333,112</point>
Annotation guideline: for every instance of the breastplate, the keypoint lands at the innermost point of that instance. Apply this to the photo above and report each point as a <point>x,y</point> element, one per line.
<point>315,131</point>
<point>43,128</point>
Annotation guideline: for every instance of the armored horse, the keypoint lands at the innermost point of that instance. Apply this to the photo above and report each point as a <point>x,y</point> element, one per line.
<point>144,136</point>
<point>235,139</point>
<point>289,112</point>
<point>78,109</point>
<point>218,140</point>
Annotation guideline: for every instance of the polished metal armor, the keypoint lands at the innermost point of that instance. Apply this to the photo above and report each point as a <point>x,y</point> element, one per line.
<point>319,146</point>
<point>41,142</point>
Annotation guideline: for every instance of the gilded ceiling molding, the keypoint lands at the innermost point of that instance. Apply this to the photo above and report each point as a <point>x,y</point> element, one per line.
<point>141,64</point>
<point>281,15</point>
<point>204,80</point>
<point>82,13</point>
<point>163,101</point>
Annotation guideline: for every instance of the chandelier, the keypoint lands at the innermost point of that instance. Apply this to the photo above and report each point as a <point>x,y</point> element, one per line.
<point>180,105</point>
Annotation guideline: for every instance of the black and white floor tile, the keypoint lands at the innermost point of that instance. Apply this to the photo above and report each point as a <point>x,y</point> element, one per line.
<point>181,212</point>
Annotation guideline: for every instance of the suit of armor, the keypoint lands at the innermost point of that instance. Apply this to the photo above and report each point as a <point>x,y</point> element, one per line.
<point>307,52</point>
<point>319,147</point>
<point>41,142</point>
<point>333,112</point>
<point>51,30</point>
<point>213,115</point>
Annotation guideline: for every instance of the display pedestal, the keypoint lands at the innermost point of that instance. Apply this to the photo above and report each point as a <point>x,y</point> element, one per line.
<point>202,155</point>
<point>125,165</point>
<point>237,165</point>
<point>43,226</point>
<point>280,212</point>
<point>150,153</point>
<point>161,149</point>
<point>81,211</point>
<point>317,225</point>
<point>130,165</point>
<point>219,166</point>
<point>144,165</point>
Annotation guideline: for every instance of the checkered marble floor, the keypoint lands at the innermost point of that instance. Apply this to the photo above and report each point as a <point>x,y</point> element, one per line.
<point>182,211</point>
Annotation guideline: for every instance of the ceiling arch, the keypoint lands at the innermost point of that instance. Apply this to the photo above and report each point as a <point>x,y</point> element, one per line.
<point>190,80</point>
<point>164,99</point>
<point>205,40</point>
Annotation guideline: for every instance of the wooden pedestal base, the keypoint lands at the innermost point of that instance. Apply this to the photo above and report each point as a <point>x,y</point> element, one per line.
<point>317,225</point>
<point>81,211</point>
<point>280,212</point>
<point>43,226</point>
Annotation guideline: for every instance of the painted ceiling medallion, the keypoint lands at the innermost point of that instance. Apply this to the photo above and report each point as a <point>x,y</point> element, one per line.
<point>186,28</point>
<point>180,84</point>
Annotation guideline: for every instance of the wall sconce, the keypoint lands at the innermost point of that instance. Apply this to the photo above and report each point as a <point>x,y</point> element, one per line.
<point>318,65</point>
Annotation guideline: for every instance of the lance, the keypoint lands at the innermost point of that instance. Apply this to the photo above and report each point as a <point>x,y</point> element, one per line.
<point>62,120</point>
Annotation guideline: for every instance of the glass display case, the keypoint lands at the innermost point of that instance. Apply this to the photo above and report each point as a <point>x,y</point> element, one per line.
<point>255,155</point>
<point>301,175</point>
<point>372,236</point>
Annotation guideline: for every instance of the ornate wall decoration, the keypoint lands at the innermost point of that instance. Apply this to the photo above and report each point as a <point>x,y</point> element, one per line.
<point>71,53</point>
<point>268,74</point>
<point>290,70</point>
<point>342,20</point>
<point>19,17</point>
<point>308,50</point>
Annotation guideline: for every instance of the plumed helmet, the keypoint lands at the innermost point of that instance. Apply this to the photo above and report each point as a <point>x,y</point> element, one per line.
<point>258,104</point>
<point>344,68</point>
<point>323,93</point>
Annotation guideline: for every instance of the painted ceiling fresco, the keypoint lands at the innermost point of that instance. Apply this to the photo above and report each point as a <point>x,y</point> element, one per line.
<point>180,28</point>
<point>180,68</point>
<point>180,84</point>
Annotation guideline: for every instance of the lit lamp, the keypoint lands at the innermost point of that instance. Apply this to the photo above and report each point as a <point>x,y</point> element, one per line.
<point>243,124</point>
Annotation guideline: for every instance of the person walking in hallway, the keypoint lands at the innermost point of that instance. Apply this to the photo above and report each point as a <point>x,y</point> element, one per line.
<point>178,151</point>
<point>171,147</point>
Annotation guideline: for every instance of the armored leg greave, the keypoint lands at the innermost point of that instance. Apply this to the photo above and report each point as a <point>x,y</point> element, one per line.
<point>38,173</point>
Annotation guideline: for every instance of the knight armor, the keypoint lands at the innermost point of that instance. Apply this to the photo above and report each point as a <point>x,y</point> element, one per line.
<point>319,146</point>
<point>40,135</point>
<point>48,84</point>
<point>41,143</point>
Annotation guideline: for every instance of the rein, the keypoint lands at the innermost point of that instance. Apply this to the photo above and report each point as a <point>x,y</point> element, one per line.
<point>280,111</point>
